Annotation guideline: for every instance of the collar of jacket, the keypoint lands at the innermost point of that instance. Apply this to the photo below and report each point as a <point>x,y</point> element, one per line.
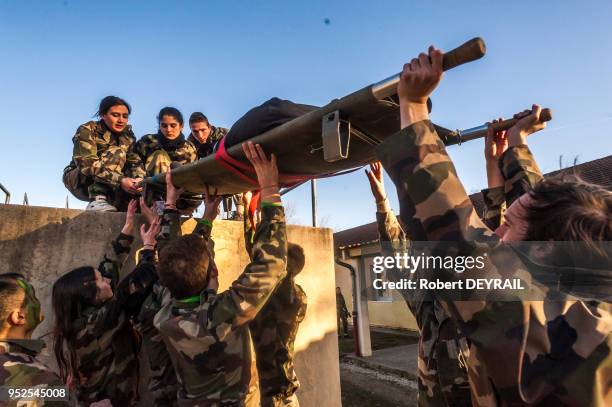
<point>30,347</point>
<point>194,301</point>
<point>209,141</point>
<point>171,144</point>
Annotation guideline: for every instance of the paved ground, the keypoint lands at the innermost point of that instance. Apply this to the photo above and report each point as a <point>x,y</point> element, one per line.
<point>363,387</point>
<point>387,378</point>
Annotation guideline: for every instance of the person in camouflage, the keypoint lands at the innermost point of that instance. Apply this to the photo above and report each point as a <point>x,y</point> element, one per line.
<point>159,151</point>
<point>443,350</point>
<point>165,150</point>
<point>203,135</point>
<point>105,169</point>
<point>342,313</point>
<point>522,351</point>
<point>275,327</point>
<point>95,344</point>
<point>163,385</point>
<point>20,314</point>
<point>207,332</point>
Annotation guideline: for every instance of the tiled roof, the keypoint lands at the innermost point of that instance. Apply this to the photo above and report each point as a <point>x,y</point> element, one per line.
<point>597,172</point>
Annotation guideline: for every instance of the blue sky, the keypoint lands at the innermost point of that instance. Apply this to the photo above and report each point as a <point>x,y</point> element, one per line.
<point>59,58</point>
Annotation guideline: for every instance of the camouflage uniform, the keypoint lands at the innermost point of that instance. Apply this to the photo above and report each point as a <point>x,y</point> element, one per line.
<point>163,385</point>
<point>522,351</point>
<point>206,148</point>
<point>20,368</point>
<point>342,314</point>
<point>158,153</point>
<point>443,351</point>
<point>106,344</point>
<point>274,330</point>
<point>208,339</point>
<point>100,160</point>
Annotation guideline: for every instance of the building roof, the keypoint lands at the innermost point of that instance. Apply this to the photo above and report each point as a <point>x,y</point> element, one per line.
<point>597,172</point>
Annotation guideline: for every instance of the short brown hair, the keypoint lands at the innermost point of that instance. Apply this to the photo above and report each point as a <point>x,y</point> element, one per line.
<point>198,117</point>
<point>183,266</point>
<point>295,259</point>
<point>567,208</point>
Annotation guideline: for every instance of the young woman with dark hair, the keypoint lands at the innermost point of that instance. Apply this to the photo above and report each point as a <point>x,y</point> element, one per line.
<point>95,344</point>
<point>166,149</point>
<point>104,169</point>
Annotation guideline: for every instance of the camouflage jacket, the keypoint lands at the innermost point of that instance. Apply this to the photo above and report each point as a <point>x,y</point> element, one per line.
<point>274,330</point>
<point>179,150</point>
<point>106,344</point>
<point>522,351</point>
<point>207,148</point>
<point>92,140</point>
<point>20,368</point>
<point>208,340</point>
<point>443,351</point>
<point>522,171</point>
<point>163,383</point>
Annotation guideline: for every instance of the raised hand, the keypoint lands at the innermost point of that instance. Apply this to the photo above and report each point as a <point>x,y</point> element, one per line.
<point>496,143</point>
<point>377,185</point>
<point>211,204</point>
<point>172,192</point>
<point>418,80</point>
<point>529,123</point>
<point>128,227</point>
<point>149,235</point>
<point>148,212</point>
<point>266,170</point>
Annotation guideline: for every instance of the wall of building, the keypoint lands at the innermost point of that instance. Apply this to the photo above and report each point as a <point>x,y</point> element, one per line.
<point>391,313</point>
<point>44,243</point>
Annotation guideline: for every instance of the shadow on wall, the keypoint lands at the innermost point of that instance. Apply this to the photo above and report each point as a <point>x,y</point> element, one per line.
<point>44,243</point>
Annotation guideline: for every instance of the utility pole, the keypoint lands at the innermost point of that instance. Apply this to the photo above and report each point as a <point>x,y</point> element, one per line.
<point>313,192</point>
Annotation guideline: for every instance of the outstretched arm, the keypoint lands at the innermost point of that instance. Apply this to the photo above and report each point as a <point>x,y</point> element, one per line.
<point>131,291</point>
<point>517,164</point>
<point>251,290</point>
<point>115,258</point>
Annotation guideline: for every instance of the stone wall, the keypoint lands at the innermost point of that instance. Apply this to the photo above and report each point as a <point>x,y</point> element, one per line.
<point>44,243</point>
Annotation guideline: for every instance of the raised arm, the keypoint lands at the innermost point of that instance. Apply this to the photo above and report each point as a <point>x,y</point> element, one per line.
<point>115,258</point>
<point>517,164</point>
<point>131,291</point>
<point>250,291</point>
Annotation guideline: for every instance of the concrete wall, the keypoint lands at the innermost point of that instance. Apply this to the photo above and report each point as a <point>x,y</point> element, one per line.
<point>389,314</point>
<point>44,243</point>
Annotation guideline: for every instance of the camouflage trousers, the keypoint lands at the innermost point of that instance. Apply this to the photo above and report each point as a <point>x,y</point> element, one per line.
<point>160,162</point>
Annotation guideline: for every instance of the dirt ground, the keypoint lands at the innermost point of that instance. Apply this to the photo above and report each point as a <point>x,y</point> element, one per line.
<point>365,387</point>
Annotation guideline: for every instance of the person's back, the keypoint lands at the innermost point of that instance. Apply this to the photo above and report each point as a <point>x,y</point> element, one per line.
<point>207,332</point>
<point>542,345</point>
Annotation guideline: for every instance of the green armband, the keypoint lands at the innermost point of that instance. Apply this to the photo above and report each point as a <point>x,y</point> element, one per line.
<point>205,222</point>
<point>268,204</point>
